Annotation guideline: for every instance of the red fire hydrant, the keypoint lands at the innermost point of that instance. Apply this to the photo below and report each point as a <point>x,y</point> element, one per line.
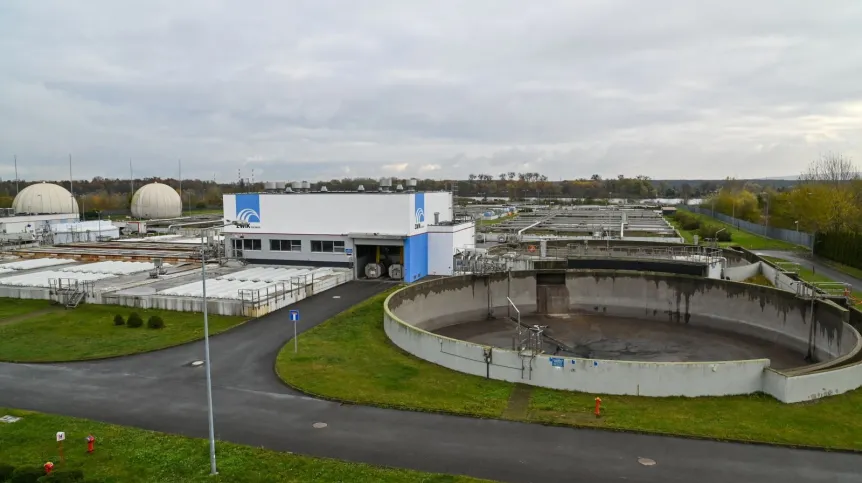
<point>91,443</point>
<point>49,467</point>
<point>598,407</point>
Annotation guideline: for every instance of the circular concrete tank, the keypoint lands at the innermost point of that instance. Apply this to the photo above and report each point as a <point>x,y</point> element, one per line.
<point>620,332</point>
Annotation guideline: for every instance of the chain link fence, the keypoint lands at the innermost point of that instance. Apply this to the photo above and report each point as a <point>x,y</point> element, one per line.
<point>791,236</point>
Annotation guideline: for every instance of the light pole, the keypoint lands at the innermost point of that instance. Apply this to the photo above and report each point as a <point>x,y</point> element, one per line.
<point>213,469</point>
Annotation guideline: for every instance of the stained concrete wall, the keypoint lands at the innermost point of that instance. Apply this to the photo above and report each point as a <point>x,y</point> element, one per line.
<point>761,311</point>
<point>742,272</point>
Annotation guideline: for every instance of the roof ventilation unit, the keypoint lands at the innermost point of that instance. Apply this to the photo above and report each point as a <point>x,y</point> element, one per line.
<point>280,185</point>
<point>361,189</point>
<point>269,186</point>
<point>296,186</point>
<point>324,189</point>
<point>305,186</point>
<point>399,188</point>
<point>385,184</point>
<point>411,185</point>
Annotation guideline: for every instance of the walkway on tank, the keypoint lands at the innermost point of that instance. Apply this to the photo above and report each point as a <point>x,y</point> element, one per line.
<point>162,391</point>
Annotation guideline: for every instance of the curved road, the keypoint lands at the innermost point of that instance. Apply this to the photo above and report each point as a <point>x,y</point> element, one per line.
<point>161,391</point>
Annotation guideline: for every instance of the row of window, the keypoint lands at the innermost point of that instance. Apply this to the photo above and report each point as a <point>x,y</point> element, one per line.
<point>317,246</point>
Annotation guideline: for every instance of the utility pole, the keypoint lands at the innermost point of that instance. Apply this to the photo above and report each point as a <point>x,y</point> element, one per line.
<point>180,162</point>
<point>131,177</point>
<point>16,174</point>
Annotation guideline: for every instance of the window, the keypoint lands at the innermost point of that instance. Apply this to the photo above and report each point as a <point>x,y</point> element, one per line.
<point>327,246</point>
<point>246,244</point>
<point>285,245</point>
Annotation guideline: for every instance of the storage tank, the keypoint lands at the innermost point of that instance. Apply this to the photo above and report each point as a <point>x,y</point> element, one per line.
<point>373,270</point>
<point>280,185</point>
<point>269,186</point>
<point>396,271</point>
<point>156,200</point>
<point>44,198</point>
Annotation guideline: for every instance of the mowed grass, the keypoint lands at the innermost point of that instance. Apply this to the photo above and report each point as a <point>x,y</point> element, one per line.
<point>350,358</point>
<point>88,332</point>
<point>833,422</point>
<point>741,238</point>
<point>128,455</point>
<point>16,307</point>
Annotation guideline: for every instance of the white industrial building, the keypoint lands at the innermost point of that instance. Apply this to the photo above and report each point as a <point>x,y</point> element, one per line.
<point>397,234</point>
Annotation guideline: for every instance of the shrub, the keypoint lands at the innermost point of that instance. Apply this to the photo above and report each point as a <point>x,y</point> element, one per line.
<point>709,230</point>
<point>6,471</point>
<point>134,321</point>
<point>155,322</point>
<point>27,474</point>
<point>118,320</point>
<point>63,476</point>
<point>686,220</point>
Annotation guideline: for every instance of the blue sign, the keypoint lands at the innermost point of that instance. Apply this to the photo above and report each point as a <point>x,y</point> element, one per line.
<point>557,362</point>
<point>294,315</point>
<point>248,208</point>
<point>419,204</point>
<point>348,251</point>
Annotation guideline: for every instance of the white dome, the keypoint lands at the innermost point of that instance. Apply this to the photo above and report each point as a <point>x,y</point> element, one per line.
<point>44,198</point>
<point>156,200</point>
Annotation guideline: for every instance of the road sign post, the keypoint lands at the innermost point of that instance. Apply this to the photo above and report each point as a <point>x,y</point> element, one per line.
<point>294,317</point>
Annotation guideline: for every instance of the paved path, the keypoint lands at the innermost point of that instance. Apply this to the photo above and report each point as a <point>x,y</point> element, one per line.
<point>814,264</point>
<point>160,391</point>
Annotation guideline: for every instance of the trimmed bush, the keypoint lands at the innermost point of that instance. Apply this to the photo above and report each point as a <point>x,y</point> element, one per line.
<point>709,230</point>
<point>155,322</point>
<point>134,321</point>
<point>6,471</point>
<point>686,220</point>
<point>63,476</point>
<point>27,474</point>
<point>118,320</point>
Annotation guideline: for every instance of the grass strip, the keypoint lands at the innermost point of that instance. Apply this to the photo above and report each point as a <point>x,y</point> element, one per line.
<point>129,455</point>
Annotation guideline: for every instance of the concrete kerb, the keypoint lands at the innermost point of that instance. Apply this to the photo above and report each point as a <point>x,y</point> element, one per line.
<point>107,358</point>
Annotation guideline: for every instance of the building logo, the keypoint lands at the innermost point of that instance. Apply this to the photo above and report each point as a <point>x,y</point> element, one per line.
<point>419,203</point>
<point>248,208</point>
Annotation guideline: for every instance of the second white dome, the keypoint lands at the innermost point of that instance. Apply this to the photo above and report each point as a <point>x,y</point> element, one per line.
<point>156,200</point>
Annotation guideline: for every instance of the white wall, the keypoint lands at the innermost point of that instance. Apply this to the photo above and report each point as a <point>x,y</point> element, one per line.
<point>18,224</point>
<point>742,273</point>
<point>327,213</point>
<point>440,254</point>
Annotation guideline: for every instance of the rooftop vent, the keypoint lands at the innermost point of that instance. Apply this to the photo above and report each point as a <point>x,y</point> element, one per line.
<point>385,184</point>
<point>361,189</point>
<point>399,188</point>
<point>280,185</point>
<point>324,189</point>
<point>296,186</point>
<point>411,185</point>
<point>269,186</point>
<point>305,186</point>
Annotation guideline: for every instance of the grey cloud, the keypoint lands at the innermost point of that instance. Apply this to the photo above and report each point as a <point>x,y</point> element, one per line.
<point>329,88</point>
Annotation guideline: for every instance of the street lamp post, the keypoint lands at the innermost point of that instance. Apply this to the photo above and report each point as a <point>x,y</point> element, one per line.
<point>213,469</point>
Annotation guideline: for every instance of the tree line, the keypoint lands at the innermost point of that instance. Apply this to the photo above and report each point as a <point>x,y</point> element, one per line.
<point>826,201</point>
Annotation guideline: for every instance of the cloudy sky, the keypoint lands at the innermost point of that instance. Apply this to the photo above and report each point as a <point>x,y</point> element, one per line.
<point>320,89</point>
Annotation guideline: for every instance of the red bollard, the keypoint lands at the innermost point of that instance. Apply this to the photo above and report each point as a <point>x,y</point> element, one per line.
<point>91,443</point>
<point>598,407</point>
<point>49,467</point>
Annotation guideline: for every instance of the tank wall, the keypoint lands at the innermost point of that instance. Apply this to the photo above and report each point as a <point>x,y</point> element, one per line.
<point>766,312</point>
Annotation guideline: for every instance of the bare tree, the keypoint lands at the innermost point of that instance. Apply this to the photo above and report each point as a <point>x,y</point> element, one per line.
<point>833,168</point>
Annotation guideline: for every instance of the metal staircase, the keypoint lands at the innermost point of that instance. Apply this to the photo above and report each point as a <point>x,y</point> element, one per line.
<point>70,292</point>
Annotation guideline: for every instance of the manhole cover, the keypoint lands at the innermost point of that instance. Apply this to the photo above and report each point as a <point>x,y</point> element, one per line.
<point>319,425</point>
<point>197,363</point>
<point>9,419</point>
<point>646,461</point>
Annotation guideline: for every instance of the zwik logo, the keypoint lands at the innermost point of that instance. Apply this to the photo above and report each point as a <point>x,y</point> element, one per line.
<point>248,208</point>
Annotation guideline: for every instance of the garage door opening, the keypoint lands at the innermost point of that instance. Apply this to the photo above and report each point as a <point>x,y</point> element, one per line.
<point>379,262</point>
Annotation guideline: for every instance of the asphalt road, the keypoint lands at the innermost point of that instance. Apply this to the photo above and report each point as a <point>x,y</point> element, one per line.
<point>814,264</point>
<point>162,391</point>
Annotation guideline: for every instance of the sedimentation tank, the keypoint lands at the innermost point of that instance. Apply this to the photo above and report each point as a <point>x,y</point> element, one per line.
<point>794,349</point>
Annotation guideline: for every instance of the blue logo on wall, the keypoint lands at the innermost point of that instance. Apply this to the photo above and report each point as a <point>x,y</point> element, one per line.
<point>248,208</point>
<point>419,202</point>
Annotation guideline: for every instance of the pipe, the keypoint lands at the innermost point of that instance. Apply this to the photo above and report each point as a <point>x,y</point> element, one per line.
<point>208,222</point>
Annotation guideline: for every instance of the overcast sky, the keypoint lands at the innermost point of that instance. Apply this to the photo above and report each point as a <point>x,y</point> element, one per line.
<point>321,89</point>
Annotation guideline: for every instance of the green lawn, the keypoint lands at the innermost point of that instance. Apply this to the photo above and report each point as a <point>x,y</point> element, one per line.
<point>809,276</point>
<point>16,307</point>
<point>739,237</point>
<point>349,358</point>
<point>88,332</point>
<point>128,455</point>
<point>853,272</point>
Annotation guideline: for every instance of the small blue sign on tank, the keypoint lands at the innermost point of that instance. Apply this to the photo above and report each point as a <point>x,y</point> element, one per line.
<point>557,362</point>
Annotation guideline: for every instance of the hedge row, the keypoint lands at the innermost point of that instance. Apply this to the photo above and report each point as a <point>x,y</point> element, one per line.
<point>842,247</point>
<point>36,474</point>
<point>690,222</point>
<point>134,321</point>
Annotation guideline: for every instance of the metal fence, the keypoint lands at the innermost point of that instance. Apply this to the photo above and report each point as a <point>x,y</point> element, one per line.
<point>791,236</point>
